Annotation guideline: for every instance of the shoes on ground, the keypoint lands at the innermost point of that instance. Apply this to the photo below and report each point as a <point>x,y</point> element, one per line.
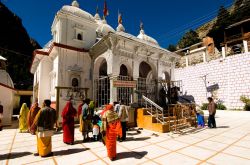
<point>50,154</point>
<point>36,154</point>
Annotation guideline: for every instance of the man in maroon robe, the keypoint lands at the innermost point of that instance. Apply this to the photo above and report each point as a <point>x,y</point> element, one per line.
<point>68,114</point>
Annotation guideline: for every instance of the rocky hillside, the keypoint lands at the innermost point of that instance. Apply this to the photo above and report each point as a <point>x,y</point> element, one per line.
<point>238,5</point>
<point>203,30</point>
<point>17,46</point>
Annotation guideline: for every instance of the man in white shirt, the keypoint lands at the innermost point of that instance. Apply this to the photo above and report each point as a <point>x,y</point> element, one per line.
<point>123,115</point>
<point>117,106</point>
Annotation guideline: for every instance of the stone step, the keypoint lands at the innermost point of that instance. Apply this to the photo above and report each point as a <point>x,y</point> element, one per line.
<point>179,126</point>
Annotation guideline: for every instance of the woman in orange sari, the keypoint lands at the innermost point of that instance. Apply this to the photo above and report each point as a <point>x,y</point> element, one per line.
<point>111,127</point>
<point>31,117</point>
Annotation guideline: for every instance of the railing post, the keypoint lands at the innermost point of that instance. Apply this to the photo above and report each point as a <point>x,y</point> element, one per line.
<point>245,45</point>
<point>223,52</point>
<point>151,110</point>
<point>163,115</point>
<point>157,115</point>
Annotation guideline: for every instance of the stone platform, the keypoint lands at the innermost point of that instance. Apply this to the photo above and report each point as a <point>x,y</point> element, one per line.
<point>227,144</point>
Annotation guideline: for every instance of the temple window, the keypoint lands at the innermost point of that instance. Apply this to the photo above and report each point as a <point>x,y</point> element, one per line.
<point>79,36</point>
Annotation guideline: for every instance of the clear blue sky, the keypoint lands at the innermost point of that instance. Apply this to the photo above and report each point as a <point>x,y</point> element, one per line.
<point>164,20</point>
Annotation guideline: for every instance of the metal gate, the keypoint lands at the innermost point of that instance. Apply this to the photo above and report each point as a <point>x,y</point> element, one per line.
<point>102,91</point>
<point>147,88</point>
<point>124,93</point>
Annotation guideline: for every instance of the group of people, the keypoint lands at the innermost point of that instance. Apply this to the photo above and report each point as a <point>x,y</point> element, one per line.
<point>211,118</point>
<point>40,122</point>
<point>107,125</point>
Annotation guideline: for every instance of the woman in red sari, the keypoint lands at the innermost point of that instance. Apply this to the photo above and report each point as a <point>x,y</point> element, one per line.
<point>111,127</point>
<point>68,114</point>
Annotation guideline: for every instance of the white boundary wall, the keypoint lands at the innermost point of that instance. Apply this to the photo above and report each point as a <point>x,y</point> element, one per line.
<point>232,74</point>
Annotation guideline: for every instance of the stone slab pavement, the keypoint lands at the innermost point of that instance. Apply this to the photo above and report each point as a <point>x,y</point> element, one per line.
<point>229,144</point>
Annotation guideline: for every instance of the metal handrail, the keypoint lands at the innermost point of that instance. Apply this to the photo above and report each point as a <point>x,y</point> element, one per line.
<point>157,107</point>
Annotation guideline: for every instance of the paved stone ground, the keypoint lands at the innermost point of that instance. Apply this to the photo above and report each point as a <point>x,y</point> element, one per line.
<point>228,144</point>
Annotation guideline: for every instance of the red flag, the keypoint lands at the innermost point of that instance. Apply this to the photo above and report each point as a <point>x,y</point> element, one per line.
<point>105,9</point>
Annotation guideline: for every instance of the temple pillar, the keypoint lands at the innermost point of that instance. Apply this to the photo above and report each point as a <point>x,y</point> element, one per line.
<point>113,90</point>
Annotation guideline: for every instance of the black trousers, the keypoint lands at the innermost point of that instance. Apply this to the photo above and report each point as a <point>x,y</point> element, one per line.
<point>211,121</point>
<point>124,128</point>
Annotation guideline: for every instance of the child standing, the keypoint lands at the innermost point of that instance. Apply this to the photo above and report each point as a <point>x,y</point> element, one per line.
<point>96,128</point>
<point>200,118</point>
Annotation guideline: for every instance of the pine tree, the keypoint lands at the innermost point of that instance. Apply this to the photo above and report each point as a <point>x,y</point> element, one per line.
<point>189,38</point>
<point>223,18</point>
<point>217,32</point>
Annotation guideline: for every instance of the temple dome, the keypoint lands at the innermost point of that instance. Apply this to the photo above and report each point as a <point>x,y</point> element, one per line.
<point>103,28</point>
<point>5,77</point>
<point>120,28</point>
<point>147,38</point>
<point>75,10</point>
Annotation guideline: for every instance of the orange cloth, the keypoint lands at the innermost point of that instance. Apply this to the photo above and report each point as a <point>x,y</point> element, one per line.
<point>31,117</point>
<point>108,107</point>
<point>44,145</point>
<point>113,129</point>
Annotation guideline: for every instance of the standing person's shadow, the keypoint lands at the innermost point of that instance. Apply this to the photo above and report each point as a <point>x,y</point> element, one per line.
<point>132,154</point>
<point>14,155</point>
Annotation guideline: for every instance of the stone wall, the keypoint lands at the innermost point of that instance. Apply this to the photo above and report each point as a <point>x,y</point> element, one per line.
<point>232,75</point>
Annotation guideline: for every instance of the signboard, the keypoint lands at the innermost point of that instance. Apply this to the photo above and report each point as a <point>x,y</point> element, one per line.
<point>125,84</point>
<point>212,88</point>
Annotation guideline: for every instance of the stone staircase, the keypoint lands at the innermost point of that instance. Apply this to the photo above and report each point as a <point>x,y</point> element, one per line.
<point>172,120</point>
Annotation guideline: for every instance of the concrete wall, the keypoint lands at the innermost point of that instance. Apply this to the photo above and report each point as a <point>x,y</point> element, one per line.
<point>7,100</point>
<point>44,68</point>
<point>69,28</point>
<point>231,74</point>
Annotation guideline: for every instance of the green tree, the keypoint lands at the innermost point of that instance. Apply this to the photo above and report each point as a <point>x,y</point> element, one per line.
<point>171,47</point>
<point>223,17</point>
<point>189,38</point>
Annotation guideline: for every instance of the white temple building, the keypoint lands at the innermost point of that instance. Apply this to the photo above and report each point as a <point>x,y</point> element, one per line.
<point>88,58</point>
<point>7,92</point>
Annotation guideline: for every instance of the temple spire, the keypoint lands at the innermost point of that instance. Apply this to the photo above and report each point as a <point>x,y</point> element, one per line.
<point>97,9</point>
<point>119,17</point>
<point>120,27</point>
<point>141,25</point>
<point>97,16</point>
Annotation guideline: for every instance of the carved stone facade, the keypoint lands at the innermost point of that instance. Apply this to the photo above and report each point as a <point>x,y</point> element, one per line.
<point>86,52</point>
